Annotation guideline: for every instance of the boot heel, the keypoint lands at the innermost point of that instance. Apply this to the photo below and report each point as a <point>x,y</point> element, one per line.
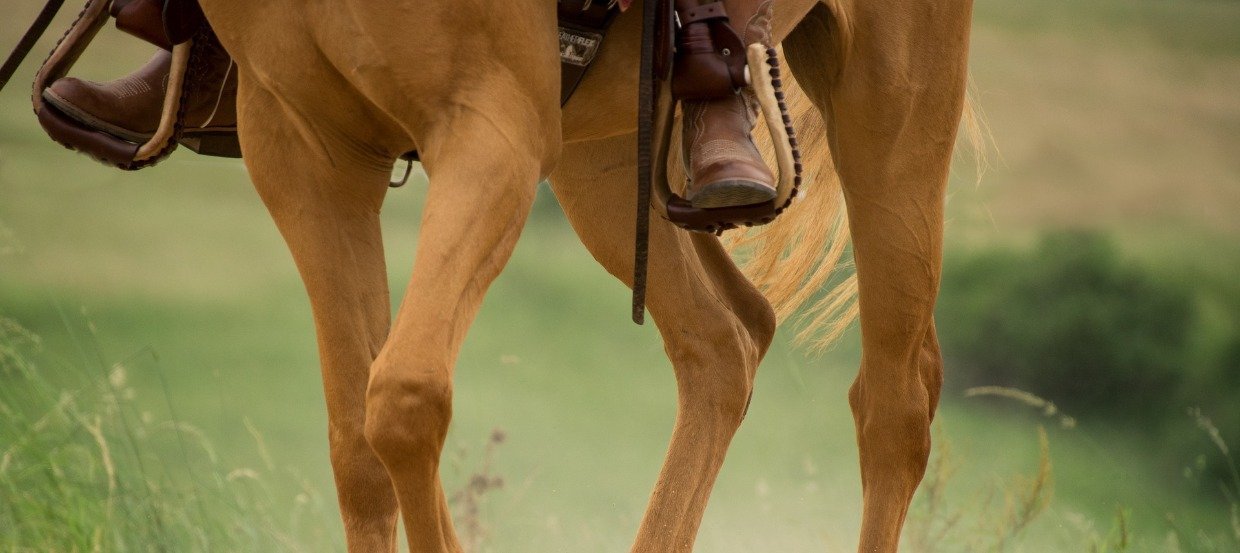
<point>213,144</point>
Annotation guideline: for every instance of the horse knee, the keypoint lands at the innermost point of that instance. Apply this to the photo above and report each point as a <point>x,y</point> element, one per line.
<point>407,412</point>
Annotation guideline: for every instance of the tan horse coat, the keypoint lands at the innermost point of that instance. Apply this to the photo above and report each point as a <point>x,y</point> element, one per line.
<point>331,92</point>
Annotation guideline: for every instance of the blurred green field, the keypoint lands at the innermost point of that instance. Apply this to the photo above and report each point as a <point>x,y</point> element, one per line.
<point>1116,115</point>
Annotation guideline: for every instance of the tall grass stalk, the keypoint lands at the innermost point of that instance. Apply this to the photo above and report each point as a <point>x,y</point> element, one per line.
<point>467,503</point>
<point>1200,540</point>
<point>938,523</point>
<point>938,520</point>
<point>88,469</point>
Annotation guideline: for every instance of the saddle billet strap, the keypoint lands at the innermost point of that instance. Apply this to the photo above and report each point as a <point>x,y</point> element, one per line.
<point>26,44</point>
<point>582,25</point>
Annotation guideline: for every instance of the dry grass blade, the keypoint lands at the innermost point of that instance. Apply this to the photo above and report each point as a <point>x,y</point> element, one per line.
<point>468,501</point>
<point>1027,500</point>
<point>1048,408</point>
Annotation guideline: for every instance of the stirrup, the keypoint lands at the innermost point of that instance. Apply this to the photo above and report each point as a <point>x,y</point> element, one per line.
<point>656,112</point>
<point>763,74</point>
<point>100,145</point>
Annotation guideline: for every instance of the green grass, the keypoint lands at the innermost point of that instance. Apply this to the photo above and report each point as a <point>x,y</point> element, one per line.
<point>554,363</point>
<point>84,466</point>
<point>1117,115</point>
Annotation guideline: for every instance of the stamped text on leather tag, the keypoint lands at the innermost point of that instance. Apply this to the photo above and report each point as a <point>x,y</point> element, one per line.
<point>578,47</point>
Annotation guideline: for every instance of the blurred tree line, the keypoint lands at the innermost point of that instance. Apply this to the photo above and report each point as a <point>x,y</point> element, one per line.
<point>1108,338</point>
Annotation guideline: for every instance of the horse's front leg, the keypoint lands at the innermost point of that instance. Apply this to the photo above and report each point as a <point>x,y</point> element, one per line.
<point>328,213</point>
<point>484,166</point>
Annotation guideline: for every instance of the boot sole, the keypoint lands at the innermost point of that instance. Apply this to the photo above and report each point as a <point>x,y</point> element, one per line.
<point>212,141</point>
<point>732,193</point>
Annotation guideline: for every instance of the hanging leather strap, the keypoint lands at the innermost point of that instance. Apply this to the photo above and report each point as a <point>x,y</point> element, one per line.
<point>28,40</point>
<point>645,142</point>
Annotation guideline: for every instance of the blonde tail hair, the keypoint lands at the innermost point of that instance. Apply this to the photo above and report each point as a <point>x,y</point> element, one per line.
<point>798,260</point>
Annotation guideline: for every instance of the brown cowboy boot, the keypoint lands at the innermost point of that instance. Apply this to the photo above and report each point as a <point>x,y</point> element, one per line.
<point>130,107</point>
<point>721,159</point>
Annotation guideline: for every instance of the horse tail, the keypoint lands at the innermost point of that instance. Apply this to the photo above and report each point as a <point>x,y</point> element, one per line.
<point>800,261</point>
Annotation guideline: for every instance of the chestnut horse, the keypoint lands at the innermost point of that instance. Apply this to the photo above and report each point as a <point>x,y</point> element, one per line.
<point>332,92</point>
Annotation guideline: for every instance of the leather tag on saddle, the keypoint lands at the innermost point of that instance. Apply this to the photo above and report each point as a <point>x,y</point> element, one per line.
<point>583,24</point>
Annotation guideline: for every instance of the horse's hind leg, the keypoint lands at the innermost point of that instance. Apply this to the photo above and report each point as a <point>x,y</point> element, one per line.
<point>328,213</point>
<point>893,109</point>
<point>715,325</point>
